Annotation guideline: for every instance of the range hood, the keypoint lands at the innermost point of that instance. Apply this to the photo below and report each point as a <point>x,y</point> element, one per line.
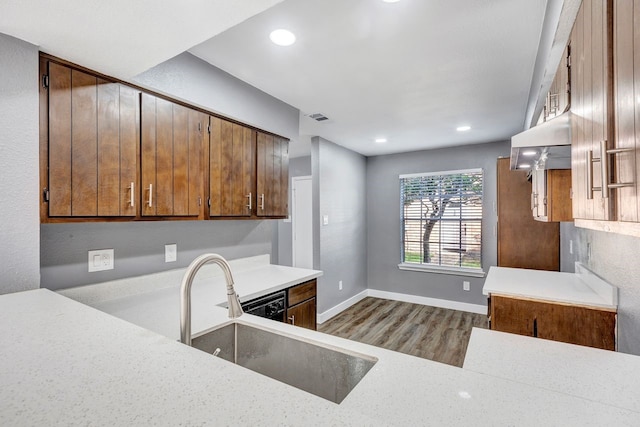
<point>546,146</point>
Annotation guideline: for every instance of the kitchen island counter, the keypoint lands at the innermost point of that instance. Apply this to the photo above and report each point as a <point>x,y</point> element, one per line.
<point>64,363</point>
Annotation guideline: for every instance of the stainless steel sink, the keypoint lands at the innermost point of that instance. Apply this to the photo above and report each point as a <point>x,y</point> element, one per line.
<point>312,367</point>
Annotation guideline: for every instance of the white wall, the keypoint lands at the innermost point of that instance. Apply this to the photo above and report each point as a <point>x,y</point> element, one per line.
<point>384,231</point>
<point>19,186</point>
<point>340,247</point>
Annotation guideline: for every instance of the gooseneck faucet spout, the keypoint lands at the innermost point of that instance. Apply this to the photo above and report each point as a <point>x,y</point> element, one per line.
<point>235,310</point>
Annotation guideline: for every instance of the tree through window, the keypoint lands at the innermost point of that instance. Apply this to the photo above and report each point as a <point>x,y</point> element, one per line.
<point>441,215</point>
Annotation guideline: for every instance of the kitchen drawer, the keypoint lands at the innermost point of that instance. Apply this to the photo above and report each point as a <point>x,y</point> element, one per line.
<point>302,292</point>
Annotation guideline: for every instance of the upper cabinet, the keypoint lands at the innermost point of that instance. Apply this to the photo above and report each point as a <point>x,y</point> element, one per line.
<point>558,98</point>
<point>231,169</point>
<point>591,107</point>
<point>89,165</point>
<point>625,156</point>
<point>110,151</point>
<point>606,115</point>
<point>172,150</point>
<point>273,176</point>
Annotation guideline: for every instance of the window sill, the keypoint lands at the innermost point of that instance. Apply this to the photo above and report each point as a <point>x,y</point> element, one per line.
<point>441,270</point>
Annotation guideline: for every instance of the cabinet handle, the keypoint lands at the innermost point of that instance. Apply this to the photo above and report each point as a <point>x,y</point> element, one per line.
<point>262,201</point>
<point>250,203</point>
<point>292,319</point>
<point>133,190</point>
<point>150,200</point>
<point>604,170</point>
<point>605,167</point>
<point>590,161</point>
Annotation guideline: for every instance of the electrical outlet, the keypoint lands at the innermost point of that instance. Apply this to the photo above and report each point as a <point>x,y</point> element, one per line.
<point>466,286</point>
<point>100,260</point>
<point>340,285</point>
<point>171,252</point>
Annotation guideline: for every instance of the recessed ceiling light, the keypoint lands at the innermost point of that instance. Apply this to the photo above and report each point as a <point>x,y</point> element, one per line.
<point>463,128</point>
<point>282,37</point>
<point>524,166</point>
<point>381,140</point>
<point>529,153</point>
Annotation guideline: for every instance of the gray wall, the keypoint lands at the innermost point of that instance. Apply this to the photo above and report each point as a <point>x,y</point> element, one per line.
<point>139,247</point>
<point>341,180</point>
<point>383,231</point>
<point>196,81</point>
<point>19,186</point>
<point>614,257</point>
<point>299,166</point>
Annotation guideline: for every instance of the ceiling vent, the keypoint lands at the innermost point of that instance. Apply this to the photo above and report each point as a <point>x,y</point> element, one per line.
<point>318,117</point>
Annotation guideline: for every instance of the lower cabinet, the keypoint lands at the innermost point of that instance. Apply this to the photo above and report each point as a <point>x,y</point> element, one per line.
<point>574,324</point>
<point>301,305</point>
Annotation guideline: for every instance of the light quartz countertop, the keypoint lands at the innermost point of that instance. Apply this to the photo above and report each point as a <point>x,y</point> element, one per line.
<point>598,375</point>
<point>582,287</point>
<point>65,363</point>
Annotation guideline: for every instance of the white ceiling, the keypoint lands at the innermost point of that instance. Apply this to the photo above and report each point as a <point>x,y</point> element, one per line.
<point>410,71</point>
<point>122,38</point>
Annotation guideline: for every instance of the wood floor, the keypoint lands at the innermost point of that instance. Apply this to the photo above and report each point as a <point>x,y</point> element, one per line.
<point>423,331</point>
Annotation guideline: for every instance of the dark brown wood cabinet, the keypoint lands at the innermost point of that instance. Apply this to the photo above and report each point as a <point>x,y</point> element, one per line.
<point>301,305</point>
<point>113,151</point>
<point>272,186</point>
<point>231,169</point>
<point>89,161</point>
<point>574,324</point>
<point>591,107</point>
<point>522,241</point>
<point>172,150</point>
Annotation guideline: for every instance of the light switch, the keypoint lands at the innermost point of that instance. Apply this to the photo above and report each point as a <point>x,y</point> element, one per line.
<point>325,219</point>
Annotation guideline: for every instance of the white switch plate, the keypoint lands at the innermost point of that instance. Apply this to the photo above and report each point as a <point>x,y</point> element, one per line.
<point>571,247</point>
<point>340,285</point>
<point>100,260</point>
<point>171,252</point>
<point>466,286</point>
<point>325,219</point>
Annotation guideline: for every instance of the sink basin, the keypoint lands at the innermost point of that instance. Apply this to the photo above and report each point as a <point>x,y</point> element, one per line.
<point>326,372</point>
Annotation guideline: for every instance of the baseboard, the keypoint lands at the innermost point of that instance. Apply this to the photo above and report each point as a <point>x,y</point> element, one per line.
<point>434,302</point>
<point>334,311</point>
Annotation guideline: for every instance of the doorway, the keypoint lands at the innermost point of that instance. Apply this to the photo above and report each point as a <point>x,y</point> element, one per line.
<point>301,222</point>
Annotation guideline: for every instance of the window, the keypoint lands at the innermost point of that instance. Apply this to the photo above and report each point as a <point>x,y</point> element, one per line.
<point>441,218</point>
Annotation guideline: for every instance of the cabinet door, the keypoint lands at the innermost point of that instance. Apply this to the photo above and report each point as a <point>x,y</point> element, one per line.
<point>627,98</point>
<point>591,105</point>
<point>92,147</point>
<point>576,325</point>
<point>523,242</point>
<point>303,314</point>
<point>231,169</point>
<point>512,315</point>
<point>272,176</point>
<point>172,138</point>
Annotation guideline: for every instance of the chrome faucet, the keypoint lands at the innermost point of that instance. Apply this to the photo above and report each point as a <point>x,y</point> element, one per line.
<point>235,310</point>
